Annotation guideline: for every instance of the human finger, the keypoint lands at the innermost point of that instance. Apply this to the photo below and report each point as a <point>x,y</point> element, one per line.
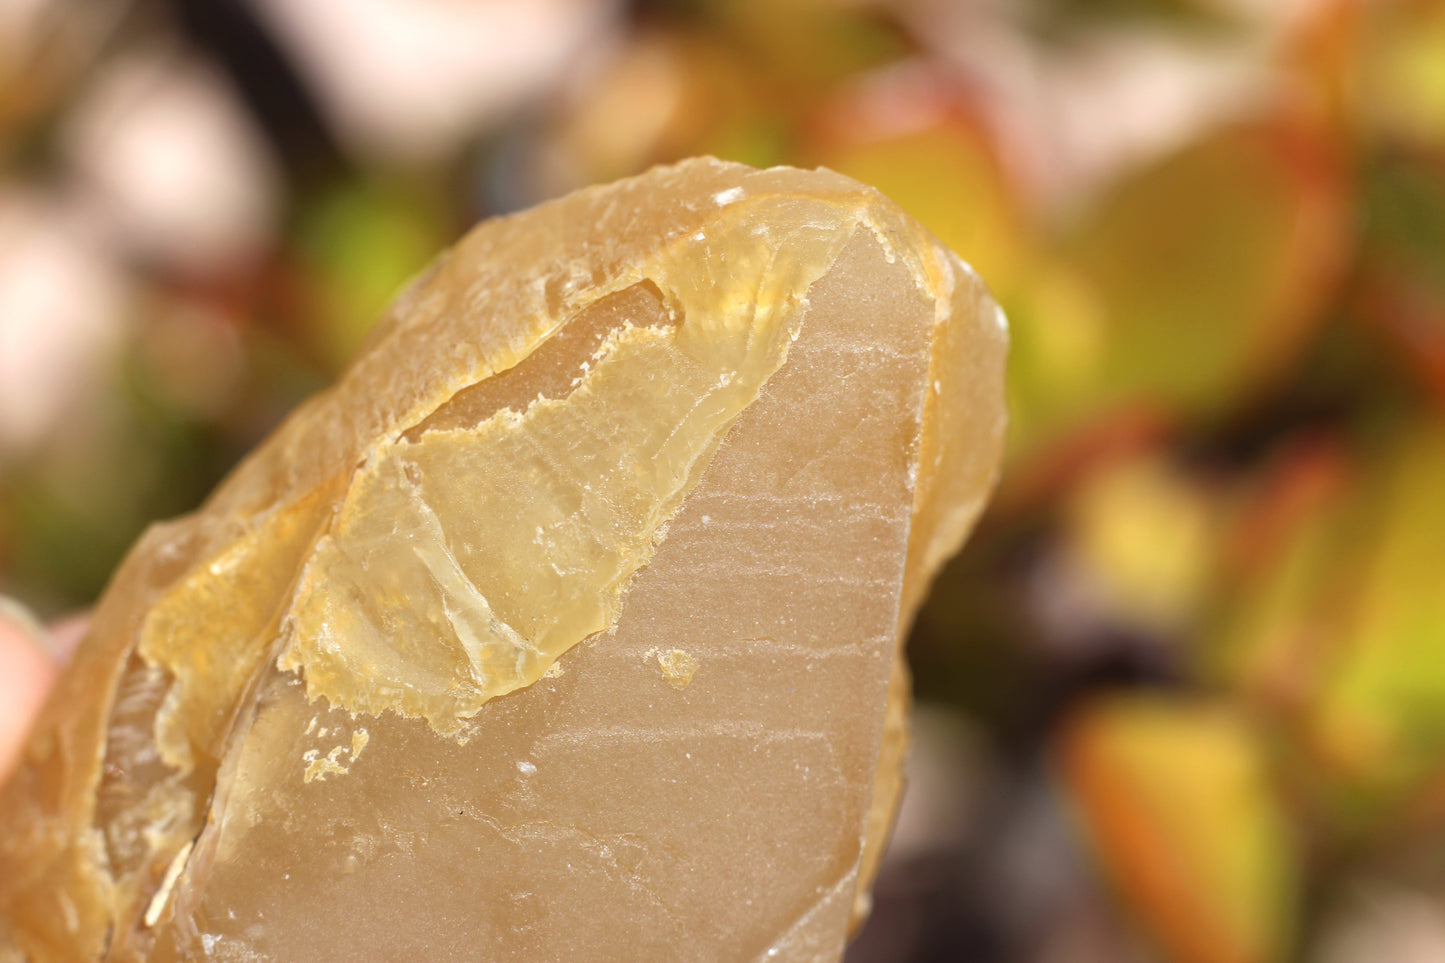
<point>27,671</point>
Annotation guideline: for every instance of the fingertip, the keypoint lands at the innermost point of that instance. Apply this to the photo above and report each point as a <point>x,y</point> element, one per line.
<point>26,674</point>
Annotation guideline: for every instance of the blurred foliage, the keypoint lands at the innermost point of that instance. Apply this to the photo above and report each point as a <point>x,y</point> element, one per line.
<point>1209,600</point>
<point>1179,794</point>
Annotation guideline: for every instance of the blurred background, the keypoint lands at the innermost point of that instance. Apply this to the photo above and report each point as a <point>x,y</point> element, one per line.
<point>1182,698</point>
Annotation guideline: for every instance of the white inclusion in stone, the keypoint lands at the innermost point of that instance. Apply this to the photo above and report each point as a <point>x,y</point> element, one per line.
<point>526,768</point>
<point>724,198</point>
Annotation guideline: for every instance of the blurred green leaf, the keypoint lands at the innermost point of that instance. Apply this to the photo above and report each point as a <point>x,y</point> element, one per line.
<point>361,242</point>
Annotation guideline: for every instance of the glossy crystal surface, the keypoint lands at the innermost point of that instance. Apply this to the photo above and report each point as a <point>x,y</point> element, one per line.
<point>564,626</point>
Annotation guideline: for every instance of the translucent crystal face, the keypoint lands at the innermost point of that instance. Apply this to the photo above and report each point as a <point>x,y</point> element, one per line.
<point>564,626</point>
<point>468,556</point>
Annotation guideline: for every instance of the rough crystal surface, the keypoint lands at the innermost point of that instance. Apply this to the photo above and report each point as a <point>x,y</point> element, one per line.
<point>564,626</point>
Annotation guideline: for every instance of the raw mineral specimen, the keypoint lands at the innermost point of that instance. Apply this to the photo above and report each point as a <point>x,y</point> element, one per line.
<point>565,626</point>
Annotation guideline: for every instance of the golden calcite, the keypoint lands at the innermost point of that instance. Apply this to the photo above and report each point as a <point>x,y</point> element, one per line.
<point>565,626</point>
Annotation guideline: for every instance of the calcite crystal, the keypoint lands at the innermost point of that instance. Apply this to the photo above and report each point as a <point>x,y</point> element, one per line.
<point>565,626</point>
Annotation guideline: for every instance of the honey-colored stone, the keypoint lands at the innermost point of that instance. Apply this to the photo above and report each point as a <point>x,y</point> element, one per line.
<point>563,627</point>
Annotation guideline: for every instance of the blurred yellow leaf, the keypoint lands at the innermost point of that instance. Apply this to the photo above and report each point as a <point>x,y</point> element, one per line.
<point>1213,267</point>
<point>1404,70</point>
<point>1383,708</point>
<point>1175,796</point>
<point>1342,630</point>
<point>1145,534</point>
